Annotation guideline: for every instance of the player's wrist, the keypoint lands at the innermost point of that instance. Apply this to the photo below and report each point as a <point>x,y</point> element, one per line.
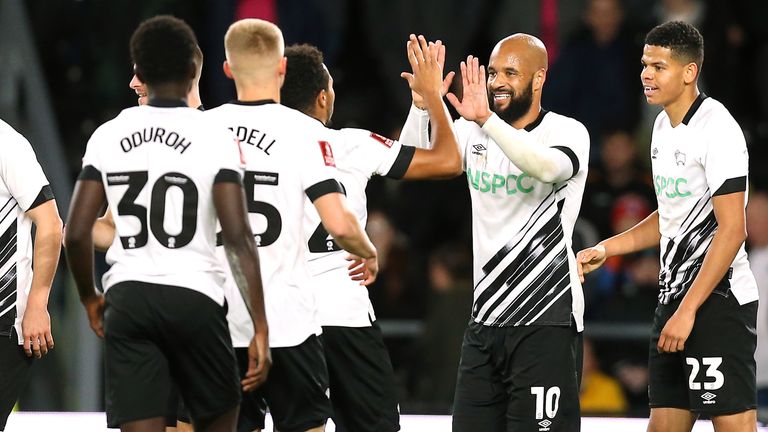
<point>89,298</point>
<point>38,297</point>
<point>486,119</point>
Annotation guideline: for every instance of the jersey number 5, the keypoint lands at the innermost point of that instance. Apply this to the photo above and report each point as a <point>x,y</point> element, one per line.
<point>270,212</point>
<point>136,180</point>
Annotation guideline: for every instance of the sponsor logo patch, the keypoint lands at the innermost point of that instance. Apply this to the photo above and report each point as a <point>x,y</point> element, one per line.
<point>325,148</point>
<point>384,140</point>
<point>265,178</point>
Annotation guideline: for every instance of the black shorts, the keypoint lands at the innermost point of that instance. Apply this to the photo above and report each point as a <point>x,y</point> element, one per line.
<point>296,388</point>
<point>14,373</point>
<point>253,407</point>
<point>158,335</point>
<point>518,378</point>
<point>715,373</point>
<point>362,381</point>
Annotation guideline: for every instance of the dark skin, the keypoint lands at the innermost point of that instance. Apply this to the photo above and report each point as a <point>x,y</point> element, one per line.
<point>229,200</point>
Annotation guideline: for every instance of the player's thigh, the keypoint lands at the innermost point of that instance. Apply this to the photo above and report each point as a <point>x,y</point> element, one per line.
<point>297,385</point>
<point>671,420</point>
<point>480,401</point>
<point>14,374</point>
<point>719,357</point>
<point>745,421</point>
<point>253,407</point>
<point>362,382</point>
<point>541,378</point>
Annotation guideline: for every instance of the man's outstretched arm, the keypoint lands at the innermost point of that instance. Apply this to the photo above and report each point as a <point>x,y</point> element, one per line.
<point>444,159</point>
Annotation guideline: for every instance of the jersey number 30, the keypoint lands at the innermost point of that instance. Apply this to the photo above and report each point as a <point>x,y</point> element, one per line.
<point>136,180</point>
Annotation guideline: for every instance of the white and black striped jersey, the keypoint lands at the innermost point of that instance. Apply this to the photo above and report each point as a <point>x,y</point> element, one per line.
<point>288,166</point>
<point>524,267</point>
<point>23,187</point>
<point>704,156</point>
<point>360,154</point>
<point>158,164</point>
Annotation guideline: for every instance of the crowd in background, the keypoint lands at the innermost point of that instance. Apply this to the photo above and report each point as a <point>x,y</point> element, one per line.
<point>422,229</point>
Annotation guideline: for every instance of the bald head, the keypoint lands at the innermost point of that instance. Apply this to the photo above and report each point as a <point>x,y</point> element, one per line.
<point>530,50</point>
<point>254,48</point>
<point>517,70</point>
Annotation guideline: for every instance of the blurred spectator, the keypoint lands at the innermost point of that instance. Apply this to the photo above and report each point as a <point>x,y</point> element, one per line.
<point>625,288</point>
<point>690,11</point>
<point>633,375</point>
<point>596,77</point>
<point>553,21</point>
<point>757,240</point>
<point>601,394</point>
<point>619,173</point>
<point>390,295</point>
<point>449,307</point>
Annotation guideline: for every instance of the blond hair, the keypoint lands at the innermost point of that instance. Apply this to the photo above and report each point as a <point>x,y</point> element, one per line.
<point>252,47</point>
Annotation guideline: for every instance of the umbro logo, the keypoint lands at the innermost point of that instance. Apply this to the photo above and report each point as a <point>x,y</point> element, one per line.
<point>709,398</point>
<point>654,153</point>
<point>544,425</point>
<point>478,148</point>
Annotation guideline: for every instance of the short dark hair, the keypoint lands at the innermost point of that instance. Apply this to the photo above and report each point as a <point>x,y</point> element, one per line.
<point>163,50</point>
<point>305,77</point>
<point>685,42</point>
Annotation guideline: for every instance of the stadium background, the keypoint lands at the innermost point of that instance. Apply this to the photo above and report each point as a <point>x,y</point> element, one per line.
<point>65,68</point>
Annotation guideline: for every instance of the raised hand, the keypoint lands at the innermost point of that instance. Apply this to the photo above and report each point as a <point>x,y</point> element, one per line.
<point>590,259</point>
<point>474,103</point>
<point>419,53</point>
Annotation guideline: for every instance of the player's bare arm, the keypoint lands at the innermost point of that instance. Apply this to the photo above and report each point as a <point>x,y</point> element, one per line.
<point>444,159</point>
<point>87,200</point>
<point>243,258</point>
<point>342,224</point>
<point>36,324</point>
<point>104,231</point>
<point>730,235</point>
<point>641,236</point>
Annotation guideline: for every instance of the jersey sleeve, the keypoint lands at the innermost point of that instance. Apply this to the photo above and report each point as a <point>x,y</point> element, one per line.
<point>230,158</point>
<point>22,173</point>
<point>726,163</point>
<point>317,170</point>
<point>92,167</point>
<point>415,131</point>
<point>573,140</point>
<point>383,156</point>
<point>463,130</point>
